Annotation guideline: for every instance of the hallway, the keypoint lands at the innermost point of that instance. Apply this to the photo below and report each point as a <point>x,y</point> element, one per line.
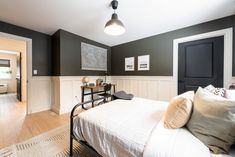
<point>15,126</point>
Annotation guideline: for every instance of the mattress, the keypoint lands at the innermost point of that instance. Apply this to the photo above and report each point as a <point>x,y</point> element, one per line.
<point>133,128</point>
<point>121,127</point>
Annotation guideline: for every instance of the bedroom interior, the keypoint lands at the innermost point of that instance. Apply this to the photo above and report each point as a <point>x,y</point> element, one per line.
<point>99,79</point>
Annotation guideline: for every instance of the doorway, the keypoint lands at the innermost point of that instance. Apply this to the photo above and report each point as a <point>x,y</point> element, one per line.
<point>19,77</point>
<point>15,95</point>
<point>28,66</point>
<point>228,51</point>
<point>10,73</point>
<point>200,63</point>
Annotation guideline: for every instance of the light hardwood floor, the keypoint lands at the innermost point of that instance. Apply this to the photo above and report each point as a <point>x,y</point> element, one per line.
<point>16,126</point>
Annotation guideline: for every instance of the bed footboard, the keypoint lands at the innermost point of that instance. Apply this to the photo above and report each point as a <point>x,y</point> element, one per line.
<point>73,115</point>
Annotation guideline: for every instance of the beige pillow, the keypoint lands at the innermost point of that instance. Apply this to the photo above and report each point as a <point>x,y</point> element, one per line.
<point>213,121</point>
<point>178,111</point>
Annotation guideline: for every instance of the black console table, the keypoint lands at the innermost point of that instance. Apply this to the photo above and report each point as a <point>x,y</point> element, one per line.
<point>93,90</point>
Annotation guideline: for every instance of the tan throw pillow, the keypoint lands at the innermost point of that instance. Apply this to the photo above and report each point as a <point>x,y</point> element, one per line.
<point>213,121</point>
<point>178,111</point>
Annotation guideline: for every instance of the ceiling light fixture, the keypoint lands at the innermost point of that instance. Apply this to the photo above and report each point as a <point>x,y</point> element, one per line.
<point>114,26</point>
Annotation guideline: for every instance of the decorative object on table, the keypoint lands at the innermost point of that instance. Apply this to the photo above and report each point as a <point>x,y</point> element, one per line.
<point>130,64</point>
<point>91,84</point>
<point>122,95</point>
<point>85,81</point>
<point>143,63</point>
<point>93,57</point>
<point>105,76</point>
<point>114,26</point>
<point>99,82</point>
<point>107,91</point>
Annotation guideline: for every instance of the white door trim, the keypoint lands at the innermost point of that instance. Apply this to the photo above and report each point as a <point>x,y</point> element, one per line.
<point>228,50</point>
<point>10,52</point>
<point>29,64</point>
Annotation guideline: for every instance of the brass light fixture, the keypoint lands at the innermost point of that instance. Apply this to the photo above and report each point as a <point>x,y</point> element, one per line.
<point>114,26</point>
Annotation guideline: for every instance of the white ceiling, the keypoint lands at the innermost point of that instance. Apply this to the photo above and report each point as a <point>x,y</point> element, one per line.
<point>87,18</point>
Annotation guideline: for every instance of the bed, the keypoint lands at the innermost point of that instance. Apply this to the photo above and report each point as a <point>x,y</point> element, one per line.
<point>134,128</point>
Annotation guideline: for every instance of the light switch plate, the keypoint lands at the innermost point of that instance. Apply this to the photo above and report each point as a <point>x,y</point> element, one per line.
<point>35,72</point>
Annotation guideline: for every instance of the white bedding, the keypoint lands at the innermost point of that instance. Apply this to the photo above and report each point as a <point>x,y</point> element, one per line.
<point>174,143</point>
<point>177,143</point>
<point>124,128</point>
<point>120,128</point>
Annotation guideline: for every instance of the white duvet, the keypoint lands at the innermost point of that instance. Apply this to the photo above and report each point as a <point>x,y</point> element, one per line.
<point>131,128</point>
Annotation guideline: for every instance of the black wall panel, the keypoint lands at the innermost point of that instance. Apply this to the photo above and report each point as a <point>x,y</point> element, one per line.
<point>41,50</point>
<point>69,53</point>
<point>160,48</point>
<point>65,59</point>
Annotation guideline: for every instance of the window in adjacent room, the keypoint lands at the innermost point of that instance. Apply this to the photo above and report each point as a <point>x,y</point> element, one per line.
<point>5,69</point>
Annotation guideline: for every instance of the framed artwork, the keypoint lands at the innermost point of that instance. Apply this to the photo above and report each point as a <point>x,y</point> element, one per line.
<point>130,64</point>
<point>143,63</point>
<point>93,57</point>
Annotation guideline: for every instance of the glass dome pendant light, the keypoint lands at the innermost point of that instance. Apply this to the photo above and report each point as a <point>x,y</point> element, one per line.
<point>114,26</point>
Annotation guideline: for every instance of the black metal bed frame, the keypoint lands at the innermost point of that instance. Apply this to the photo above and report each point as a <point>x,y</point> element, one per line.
<point>72,116</point>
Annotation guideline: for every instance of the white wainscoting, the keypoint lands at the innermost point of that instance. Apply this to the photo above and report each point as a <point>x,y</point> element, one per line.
<point>150,87</point>
<point>39,95</point>
<point>61,93</point>
<point>67,92</point>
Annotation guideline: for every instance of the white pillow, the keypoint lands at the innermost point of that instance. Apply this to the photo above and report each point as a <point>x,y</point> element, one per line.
<point>230,94</point>
<point>216,91</point>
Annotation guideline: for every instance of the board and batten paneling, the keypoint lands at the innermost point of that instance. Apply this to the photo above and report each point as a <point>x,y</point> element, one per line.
<point>150,87</point>
<point>67,92</point>
<point>39,94</point>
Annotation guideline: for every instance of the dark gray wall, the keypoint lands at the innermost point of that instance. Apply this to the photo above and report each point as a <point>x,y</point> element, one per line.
<point>56,54</point>
<point>160,48</point>
<point>66,55</point>
<point>66,50</point>
<point>41,51</point>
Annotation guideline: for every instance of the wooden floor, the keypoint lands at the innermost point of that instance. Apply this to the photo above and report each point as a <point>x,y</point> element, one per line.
<point>16,126</point>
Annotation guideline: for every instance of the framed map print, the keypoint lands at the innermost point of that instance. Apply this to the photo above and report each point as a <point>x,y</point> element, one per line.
<point>93,57</point>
